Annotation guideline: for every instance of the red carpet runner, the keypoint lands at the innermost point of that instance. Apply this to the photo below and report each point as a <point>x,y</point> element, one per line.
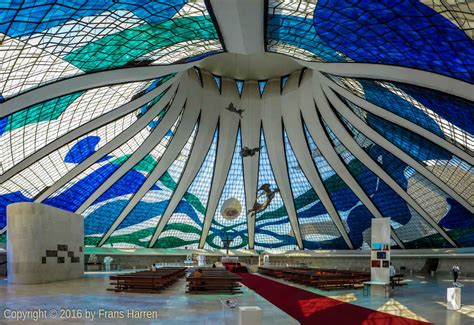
<point>310,308</point>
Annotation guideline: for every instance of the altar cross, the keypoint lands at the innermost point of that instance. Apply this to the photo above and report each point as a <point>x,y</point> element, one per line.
<point>227,243</point>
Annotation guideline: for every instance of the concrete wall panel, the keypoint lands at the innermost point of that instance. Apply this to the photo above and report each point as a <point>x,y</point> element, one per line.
<point>44,244</point>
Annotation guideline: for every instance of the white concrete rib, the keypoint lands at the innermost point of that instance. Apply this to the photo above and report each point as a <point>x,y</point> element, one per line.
<point>273,132</point>
<point>394,118</point>
<point>171,153</point>
<point>319,136</point>
<point>185,128</point>
<point>241,24</point>
<point>415,77</point>
<point>294,128</point>
<point>207,125</point>
<point>349,142</point>
<point>86,128</point>
<point>85,82</point>
<point>136,127</point>
<point>250,131</point>
<point>228,127</point>
<point>384,143</point>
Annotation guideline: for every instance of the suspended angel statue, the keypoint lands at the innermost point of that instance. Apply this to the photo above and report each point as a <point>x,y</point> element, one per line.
<point>259,207</point>
<point>233,109</point>
<point>247,152</point>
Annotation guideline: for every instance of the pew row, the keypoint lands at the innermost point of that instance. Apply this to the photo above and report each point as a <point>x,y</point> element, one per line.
<point>146,281</point>
<point>213,280</point>
<point>325,279</point>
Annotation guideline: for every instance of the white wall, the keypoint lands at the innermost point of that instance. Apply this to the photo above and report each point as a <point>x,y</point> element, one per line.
<point>35,235</point>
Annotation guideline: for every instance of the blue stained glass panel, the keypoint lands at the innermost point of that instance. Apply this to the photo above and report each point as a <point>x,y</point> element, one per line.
<point>298,32</point>
<point>453,171</point>
<point>383,32</point>
<point>218,81</point>
<point>355,215</point>
<point>407,224</point>
<point>261,87</point>
<point>9,198</point>
<point>185,225</point>
<point>316,225</point>
<point>283,81</point>
<point>24,18</point>
<point>140,224</point>
<point>272,226</point>
<point>235,229</point>
<point>448,213</point>
<point>456,110</point>
<point>240,86</point>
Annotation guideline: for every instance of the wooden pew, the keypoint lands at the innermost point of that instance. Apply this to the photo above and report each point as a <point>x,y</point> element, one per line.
<point>325,279</point>
<point>213,280</point>
<point>146,281</point>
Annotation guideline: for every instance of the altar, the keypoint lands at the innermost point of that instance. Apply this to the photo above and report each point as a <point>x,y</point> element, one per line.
<point>230,259</point>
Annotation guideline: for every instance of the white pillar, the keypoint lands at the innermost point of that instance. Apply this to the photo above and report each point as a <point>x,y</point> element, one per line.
<point>250,315</point>
<point>380,255</point>
<point>453,296</point>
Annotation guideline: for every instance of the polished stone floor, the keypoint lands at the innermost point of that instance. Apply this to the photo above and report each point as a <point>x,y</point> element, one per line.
<point>423,298</point>
<point>172,305</point>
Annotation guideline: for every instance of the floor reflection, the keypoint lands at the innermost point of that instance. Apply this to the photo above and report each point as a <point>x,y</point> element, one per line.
<point>396,308</point>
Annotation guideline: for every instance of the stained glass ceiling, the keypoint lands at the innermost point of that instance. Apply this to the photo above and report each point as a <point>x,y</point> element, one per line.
<point>119,110</point>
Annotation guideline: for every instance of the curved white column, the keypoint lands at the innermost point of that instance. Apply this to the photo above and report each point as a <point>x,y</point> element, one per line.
<point>250,130</point>
<point>394,118</point>
<point>360,154</point>
<point>291,97</point>
<point>241,24</point>
<point>86,128</point>
<point>87,81</point>
<point>170,154</point>
<point>150,142</point>
<point>386,144</point>
<point>228,127</point>
<point>412,76</point>
<point>206,130</point>
<point>141,123</point>
<point>273,131</point>
<point>319,136</point>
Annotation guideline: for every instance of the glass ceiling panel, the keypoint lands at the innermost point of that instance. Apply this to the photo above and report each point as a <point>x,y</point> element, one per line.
<point>76,191</point>
<point>453,171</point>
<point>407,224</point>
<point>316,225</point>
<point>373,32</point>
<point>356,217</point>
<point>448,213</point>
<point>27,184</point>
<point>185,225</point>
<point>47,41</point>
<point>444,115</point>
<point>107,208</point>
<point>272,226</point>
<point>139,225</point>
<point>30,129</point>
<point>235,229</point>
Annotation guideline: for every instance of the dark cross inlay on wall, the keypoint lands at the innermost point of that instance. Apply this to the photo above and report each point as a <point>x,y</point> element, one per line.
<point>61,259</point>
